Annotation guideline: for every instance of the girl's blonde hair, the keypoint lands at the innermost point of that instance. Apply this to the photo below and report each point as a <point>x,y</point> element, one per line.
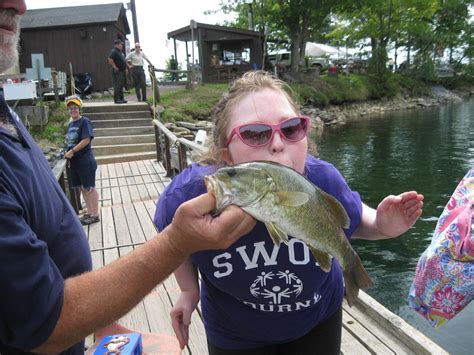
<point>252,81</point>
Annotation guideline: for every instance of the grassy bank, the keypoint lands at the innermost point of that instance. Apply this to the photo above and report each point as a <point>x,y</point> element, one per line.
<point>55,130</point>
<point>196,104</point>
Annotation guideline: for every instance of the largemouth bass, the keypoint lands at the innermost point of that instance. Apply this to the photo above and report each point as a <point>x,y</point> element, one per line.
<point>289,204</point>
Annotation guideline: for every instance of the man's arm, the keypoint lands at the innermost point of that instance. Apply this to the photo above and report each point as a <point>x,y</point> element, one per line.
<point>96,299</point>
<point>112,64</point>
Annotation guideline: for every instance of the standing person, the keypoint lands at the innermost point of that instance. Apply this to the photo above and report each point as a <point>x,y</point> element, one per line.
<point>50,300</point>
<point>117,61</point>
<point>82,165</point>
<point>174,66</point>
<point>136,63</point>
<point>249,299</point>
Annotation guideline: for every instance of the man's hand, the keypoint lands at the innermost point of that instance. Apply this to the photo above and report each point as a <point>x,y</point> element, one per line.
<point>193,228</point>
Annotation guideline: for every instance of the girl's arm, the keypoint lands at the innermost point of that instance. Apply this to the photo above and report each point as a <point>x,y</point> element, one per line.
<point>187,277</point>
<point>393,217</point>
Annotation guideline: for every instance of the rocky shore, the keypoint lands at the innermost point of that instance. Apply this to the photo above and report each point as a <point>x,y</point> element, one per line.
<point>340,114</point>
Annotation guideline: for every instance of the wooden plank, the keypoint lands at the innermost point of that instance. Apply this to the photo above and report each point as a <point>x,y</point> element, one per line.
<point>136,319</point>
<point>135,172</point>
<point>364,336</point>
<point>116,196</point>
<point>109,238</point>
<point>401,330</point>
<point>120,174</point>
<point>125,194</point>
<point>134,195</point>
<point>350,345</point>
<point>121,229</point>
<point>145,221</point>
<point>380,332</point>
<point>158,306</point>
<point>136,231</point>
<point>143,192</point>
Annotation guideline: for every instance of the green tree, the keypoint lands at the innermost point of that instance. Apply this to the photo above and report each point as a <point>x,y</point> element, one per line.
<point>292,21</point>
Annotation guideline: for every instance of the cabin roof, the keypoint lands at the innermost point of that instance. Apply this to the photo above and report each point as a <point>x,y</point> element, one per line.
<point>184,33</point>
<point>72,16</point>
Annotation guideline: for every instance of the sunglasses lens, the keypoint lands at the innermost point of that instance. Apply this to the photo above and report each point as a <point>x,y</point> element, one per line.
<point>294,129</point>
<point>255,134</point>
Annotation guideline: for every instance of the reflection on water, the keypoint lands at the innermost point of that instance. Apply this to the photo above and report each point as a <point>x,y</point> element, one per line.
<point>428,151</point>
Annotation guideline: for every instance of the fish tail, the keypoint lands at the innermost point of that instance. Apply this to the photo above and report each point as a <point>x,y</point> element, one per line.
<point>355,278</point>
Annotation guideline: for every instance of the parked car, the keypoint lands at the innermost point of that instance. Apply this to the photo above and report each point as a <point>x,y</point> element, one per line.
<point>283,61</point>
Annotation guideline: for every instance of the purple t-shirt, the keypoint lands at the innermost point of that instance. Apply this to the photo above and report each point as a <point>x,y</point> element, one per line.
<point>255,293</point>
<point>41,243</point>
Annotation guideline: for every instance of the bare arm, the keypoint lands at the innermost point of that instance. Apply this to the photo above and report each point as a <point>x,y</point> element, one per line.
<point>181,313</point>
<point>393,217</point>
<point>70,153</point>
<point>93,300</point>
<point>112,63</point>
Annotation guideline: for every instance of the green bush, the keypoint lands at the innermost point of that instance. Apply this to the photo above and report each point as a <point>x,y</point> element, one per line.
<point>383,86</point>
<point>309,95</point>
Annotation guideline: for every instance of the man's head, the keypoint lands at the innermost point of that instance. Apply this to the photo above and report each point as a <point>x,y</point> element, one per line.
<point>10,12</point>
<point>137,47</point>
<point>117,43</point>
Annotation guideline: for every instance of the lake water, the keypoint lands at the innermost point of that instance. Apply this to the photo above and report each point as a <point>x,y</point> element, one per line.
<point>428,151</point>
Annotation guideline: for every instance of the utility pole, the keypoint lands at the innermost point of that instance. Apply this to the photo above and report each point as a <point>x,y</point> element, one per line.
<point>134,20</point>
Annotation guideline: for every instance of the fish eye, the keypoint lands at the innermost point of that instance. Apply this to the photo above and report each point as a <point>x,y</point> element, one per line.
<point>231,172</point>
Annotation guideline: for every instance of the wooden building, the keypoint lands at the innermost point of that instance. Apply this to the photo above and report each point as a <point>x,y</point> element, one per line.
<point>223,52</point>
<point>80,35</point>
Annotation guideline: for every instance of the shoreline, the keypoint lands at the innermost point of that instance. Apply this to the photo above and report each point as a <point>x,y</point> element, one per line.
<point>340,114</point>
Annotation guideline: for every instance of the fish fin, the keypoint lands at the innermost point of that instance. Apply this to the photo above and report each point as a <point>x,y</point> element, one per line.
<point>276,233</point>
<point>324,259</point>
<point>355,278</point>
<point>336,209</point>
<point>291,198</point>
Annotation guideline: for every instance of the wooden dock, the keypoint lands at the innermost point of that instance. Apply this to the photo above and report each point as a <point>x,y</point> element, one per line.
<point>128,193</point>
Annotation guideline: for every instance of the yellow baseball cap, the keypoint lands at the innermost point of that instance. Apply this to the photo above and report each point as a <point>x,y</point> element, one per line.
<point>73,100</point>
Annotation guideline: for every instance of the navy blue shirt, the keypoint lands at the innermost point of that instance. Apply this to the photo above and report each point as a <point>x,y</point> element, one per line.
<point>119,58</point>
<point>77,131</point>
<point>255,293</point>
<point>42,243</point>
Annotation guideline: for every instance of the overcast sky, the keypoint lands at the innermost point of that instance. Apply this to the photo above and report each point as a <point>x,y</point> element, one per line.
<point>155,19</point>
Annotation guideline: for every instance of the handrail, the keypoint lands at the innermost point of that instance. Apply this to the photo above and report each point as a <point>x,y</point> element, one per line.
<point>181,148</point>
<point>60,172</point>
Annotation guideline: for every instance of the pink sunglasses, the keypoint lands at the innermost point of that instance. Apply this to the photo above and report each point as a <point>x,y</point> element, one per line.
<point>260,134</point>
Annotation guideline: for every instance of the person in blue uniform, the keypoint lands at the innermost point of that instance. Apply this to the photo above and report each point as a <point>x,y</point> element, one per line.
<point>50,300</point>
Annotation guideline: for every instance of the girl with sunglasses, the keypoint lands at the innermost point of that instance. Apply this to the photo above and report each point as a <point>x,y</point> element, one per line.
<point>257,298</point>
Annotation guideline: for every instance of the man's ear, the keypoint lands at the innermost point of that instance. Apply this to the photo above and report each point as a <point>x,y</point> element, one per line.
<point>225,156</point>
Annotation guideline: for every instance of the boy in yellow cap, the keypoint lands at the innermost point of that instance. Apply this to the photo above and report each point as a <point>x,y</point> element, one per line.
<point>82,164</point>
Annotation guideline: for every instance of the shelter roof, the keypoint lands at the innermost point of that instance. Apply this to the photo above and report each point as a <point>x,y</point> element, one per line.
<point>184,34</point>
<point>73,16</point>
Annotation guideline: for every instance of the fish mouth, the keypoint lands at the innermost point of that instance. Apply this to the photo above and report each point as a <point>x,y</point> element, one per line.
<point>216,189</point>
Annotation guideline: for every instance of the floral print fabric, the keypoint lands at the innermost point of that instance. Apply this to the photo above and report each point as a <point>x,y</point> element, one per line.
<point>444,279</point>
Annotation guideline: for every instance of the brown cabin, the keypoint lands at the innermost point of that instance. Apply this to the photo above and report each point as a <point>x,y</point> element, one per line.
<point>224,53</point>
<point>82,35</point>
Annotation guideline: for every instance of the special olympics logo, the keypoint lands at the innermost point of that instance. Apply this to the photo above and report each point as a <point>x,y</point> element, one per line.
<point>276,287</point>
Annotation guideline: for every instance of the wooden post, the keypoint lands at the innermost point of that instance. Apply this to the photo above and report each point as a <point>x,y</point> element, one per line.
<point>74,194</point>
<point>55,86</point>
<point>158,143</point>
<point>183,163</point>
<point>169,170</point>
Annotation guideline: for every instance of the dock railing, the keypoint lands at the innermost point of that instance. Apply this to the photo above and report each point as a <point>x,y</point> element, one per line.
<point>172,150</point>
<point>60,173</point>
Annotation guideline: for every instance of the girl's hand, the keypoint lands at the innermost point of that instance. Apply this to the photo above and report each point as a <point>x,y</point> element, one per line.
<point>181,316</point>
<point>396,214</point>
<point>69,154</point>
